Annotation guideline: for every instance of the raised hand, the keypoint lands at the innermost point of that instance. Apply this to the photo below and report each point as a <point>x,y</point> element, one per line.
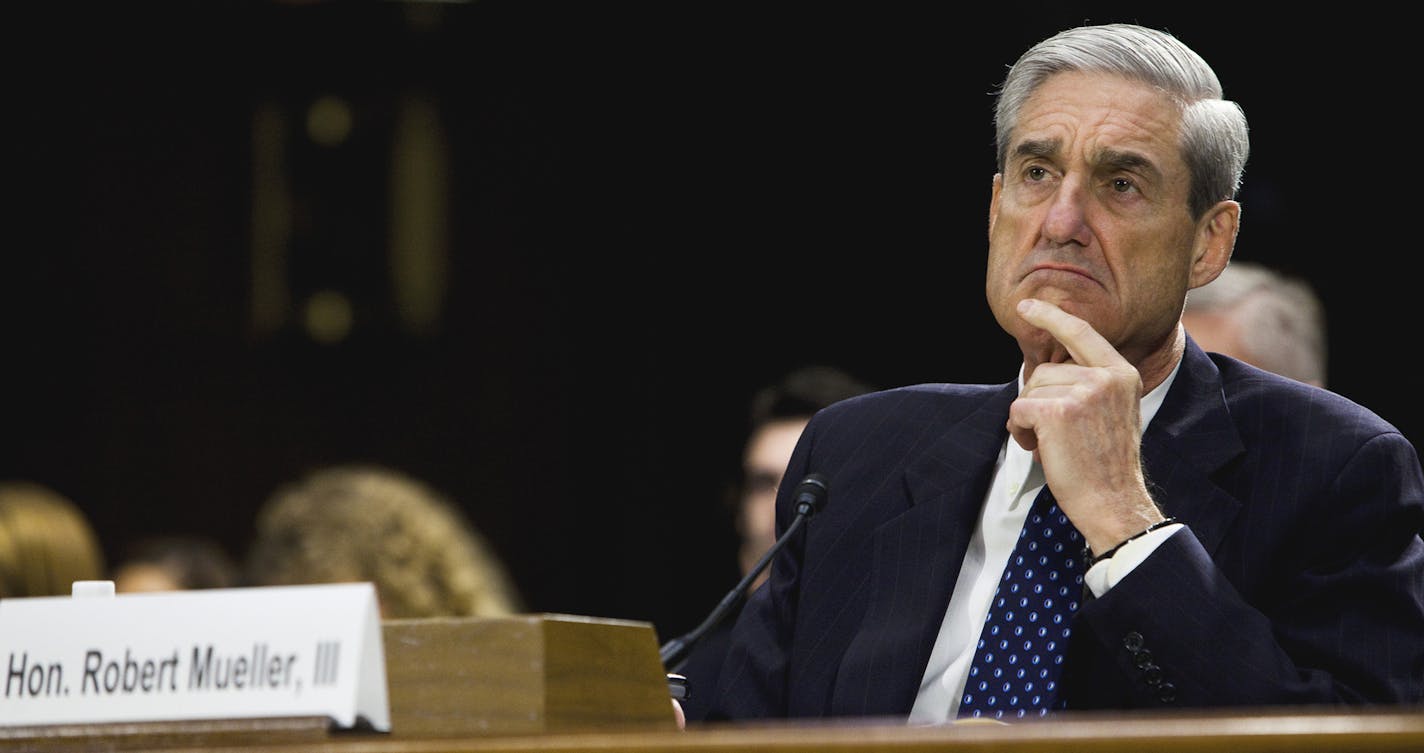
<point>1082,419</point>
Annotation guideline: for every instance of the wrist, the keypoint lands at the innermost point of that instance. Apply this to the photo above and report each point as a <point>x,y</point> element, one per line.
<point>1090,559</point>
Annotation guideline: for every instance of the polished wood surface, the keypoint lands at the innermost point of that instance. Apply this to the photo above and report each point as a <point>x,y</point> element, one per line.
<point>1293,731</point>
<point>451,678</point>
<point>249,734</point>
<point>568,684</point>
<point>459,677</point>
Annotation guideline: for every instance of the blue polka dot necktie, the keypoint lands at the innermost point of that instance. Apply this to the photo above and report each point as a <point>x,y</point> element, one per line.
<point>1020,652</point>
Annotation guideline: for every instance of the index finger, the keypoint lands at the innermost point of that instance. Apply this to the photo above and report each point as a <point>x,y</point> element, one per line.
<point>1084,344</point>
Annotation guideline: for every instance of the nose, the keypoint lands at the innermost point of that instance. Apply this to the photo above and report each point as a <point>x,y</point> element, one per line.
<point>1067,218</point>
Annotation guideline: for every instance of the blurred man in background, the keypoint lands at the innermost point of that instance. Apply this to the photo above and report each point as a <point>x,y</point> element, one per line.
<point>1263,317</point>
<point>778,413</point>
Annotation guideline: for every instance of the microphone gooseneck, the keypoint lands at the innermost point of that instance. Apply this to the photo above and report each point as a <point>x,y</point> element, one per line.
<point>808,498</point>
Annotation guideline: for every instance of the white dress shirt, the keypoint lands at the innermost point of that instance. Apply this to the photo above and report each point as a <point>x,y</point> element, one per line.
<point>1017,481</point>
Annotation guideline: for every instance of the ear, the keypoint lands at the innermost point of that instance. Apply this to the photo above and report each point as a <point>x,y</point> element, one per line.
<point>1215,240</point>
<point>994,201</point>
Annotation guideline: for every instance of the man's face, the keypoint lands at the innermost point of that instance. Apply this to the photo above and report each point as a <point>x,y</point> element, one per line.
<point>1091,213</point>
<point>764,460</point>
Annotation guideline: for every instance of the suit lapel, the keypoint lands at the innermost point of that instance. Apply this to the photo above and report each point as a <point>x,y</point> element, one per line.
<point>1190,439</point>
<point>917,556</point>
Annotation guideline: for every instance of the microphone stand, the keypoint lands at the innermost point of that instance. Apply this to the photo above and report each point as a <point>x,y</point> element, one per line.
<point>810,496</point>
<point>675,651</point>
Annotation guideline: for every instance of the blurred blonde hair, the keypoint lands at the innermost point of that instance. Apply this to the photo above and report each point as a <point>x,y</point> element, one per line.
<point>367,523</point>
<point>46,542</point>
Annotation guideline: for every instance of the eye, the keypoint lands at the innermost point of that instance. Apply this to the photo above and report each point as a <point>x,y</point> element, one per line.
<point>762,482</point>
<point>1036,173</point>
<point>1122,185</point>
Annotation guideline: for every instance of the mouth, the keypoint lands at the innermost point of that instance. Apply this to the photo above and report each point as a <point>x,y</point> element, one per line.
<point>1061,283</point>
<point>1056,270</point>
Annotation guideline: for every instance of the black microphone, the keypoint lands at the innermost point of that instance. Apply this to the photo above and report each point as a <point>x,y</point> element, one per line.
<point>808,499</point>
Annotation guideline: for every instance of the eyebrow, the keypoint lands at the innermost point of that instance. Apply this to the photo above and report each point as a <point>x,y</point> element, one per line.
<point>1120,160</point>
<point>1038,148</point>
<point>1113,159</point>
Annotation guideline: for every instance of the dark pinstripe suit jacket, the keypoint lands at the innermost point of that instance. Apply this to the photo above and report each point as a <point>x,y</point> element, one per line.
<point>1299,579</point>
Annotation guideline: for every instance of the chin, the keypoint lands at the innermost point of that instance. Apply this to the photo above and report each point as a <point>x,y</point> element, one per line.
<point>1033,338</point>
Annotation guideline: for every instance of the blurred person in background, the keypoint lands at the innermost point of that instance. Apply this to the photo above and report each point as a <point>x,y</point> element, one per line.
<point>777,413</point>
<point>174,562</point>
<point>1261,316</point>
<point>46,542</point>
<point>364,523</point>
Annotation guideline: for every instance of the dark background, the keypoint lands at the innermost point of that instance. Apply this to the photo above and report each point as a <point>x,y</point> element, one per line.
<point>655,208</point>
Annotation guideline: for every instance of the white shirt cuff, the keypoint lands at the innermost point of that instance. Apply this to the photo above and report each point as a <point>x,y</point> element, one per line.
<point>1106,574</point>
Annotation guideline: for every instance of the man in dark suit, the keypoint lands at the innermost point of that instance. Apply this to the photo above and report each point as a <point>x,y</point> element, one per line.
<point>1239,538</point>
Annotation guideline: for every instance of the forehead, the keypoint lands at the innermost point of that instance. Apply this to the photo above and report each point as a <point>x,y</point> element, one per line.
<point>774,440</point>
<point>1084,115</point>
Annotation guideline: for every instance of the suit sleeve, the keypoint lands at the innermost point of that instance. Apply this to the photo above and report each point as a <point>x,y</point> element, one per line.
<point>1336,617</point>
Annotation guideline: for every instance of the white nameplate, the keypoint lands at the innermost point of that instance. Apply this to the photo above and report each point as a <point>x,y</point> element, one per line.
<point>208,654</point>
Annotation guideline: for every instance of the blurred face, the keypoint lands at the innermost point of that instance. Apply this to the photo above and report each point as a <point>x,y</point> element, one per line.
<point>143,577</point>
<point>1091,214</point>
<point>764,460</point>
<point>1219,332</point>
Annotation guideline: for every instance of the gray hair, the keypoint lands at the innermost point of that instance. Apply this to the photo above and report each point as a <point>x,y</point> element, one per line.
<point>1280,318</point>
<point>1214,138</point>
